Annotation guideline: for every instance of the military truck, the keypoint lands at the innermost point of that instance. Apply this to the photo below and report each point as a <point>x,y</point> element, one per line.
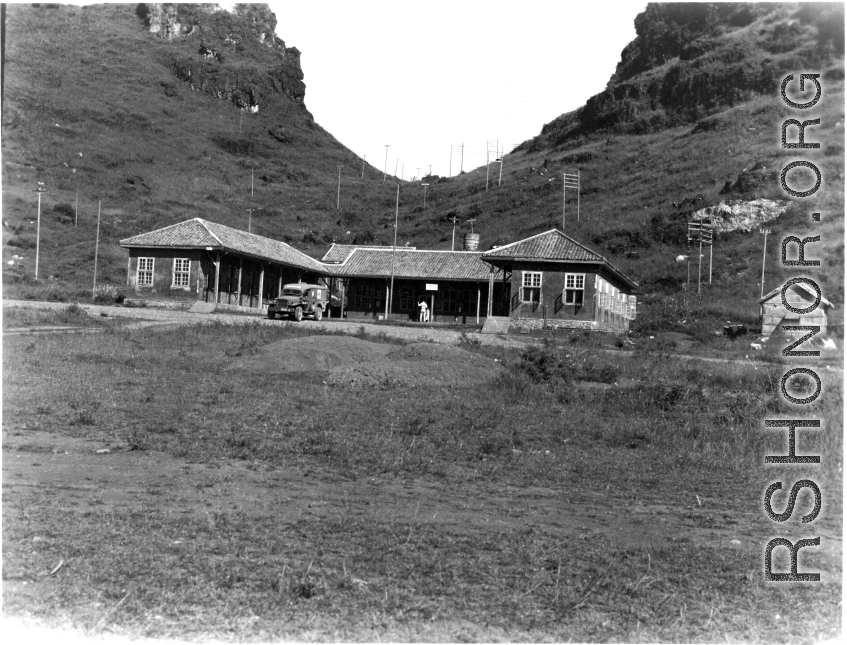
<point>298,300</point>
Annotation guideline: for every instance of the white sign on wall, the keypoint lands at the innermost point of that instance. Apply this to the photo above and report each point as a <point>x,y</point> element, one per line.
<point>431,287</point>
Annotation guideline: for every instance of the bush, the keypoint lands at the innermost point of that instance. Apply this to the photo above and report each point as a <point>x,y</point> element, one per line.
<point>107,294</point>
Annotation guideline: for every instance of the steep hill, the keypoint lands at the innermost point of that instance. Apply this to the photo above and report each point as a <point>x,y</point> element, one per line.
<point>159,103</point>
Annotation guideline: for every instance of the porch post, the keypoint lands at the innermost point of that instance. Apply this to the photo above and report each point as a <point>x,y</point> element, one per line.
<point>490,292</point>
<point>238,291</point>
<point>478,299</point>
<point>217,277</point>
<point>343,293</point>
<point>387,297</point>
<point>279,286</point>
<point>261,285</point>
<point>128,270</point>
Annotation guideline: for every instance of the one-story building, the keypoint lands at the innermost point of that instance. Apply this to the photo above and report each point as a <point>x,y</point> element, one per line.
<point>799,295</point>
<point>556,281</point>
<point>453,284</point>
<point>202,260</point>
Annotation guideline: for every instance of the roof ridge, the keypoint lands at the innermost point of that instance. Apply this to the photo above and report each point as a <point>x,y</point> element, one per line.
<point>526,239</point>
<point>203,224</point>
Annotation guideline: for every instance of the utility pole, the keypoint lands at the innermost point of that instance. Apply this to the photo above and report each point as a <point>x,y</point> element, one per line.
<point>249,219</point>
<point>430,170</point>
<point>765,232</point>
<point>418,175</point>
<point>251,181</point>
<point>396,163</point>
<point>385,167</point>
<point>453,245</point>
<point>38,190</point>
<point>96,250</point>
<point>471,221</point>
<point>393,253</point>
<point>425,187</point>
<point>462,160</point>
<point>500,180</point>
<point>486,170</point>
<point>338,200</point>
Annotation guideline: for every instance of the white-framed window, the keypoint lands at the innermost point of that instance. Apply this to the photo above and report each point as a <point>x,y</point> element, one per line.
<point>182,271</point>
<point>531,286</point>
<point>574,288</point>
<point>144,278</point>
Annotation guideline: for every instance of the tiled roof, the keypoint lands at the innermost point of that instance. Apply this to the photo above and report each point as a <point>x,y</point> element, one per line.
<point>198,233</point>
<point>340,252</point>
<point>429,265</point>
<point>551,246</point>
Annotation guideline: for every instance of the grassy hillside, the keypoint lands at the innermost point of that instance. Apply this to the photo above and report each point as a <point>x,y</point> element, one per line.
<point>694,105</point>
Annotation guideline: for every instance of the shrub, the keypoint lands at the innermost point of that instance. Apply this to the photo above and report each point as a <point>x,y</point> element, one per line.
<point>107,294</point>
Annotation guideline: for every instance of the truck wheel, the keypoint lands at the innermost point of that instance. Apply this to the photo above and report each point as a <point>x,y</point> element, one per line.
<point>319,313</point>
<point>271,314</point>
<point>298,314</point>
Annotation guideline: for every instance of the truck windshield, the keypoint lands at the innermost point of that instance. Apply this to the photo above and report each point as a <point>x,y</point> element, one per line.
<point>292,292</point>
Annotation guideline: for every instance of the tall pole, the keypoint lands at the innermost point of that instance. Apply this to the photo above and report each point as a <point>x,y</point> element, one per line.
<point>338,200</point>
<point>425,187</point>
<point>500,180</point>
<point>418,175</point>
<point>251,181</point>
<point>385,167</point>
<point>453,245</point>
<point>363,167</point>
<point>403,172</point>
<point>38,190</point>
<point>487,165</point>
<point>564,200</point>
<point>96,250</point>
<point>396,163</point>
<point>700,262</point>
<point>578,186</point>
<point>462,161</point>
<point>394,251</point>
<point>763,231</point>
<point>249,219</point>
<point>450,165</point>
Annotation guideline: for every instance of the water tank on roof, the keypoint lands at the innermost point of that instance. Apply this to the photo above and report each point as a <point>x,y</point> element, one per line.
<point>471,242</point>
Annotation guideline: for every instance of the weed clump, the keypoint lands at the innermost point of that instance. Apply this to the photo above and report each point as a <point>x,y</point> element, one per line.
<point>107,294</point>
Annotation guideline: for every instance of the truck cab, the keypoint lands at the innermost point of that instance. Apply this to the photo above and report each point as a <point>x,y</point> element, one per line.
<point>299,300</point>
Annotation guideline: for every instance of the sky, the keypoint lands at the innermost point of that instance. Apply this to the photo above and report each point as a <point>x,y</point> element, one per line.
<point>428,76</point>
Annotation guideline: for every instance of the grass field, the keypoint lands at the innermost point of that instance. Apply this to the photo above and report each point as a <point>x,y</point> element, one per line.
<point>579,496</point>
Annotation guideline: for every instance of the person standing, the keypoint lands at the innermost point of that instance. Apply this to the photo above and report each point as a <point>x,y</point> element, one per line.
<point>424,317</point>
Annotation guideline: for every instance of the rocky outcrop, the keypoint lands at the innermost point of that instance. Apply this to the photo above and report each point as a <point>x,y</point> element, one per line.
<point>740,215</point>
<point>235,56</point>
<point>690,60</point>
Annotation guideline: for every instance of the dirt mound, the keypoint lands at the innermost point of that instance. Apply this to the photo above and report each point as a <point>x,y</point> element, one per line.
<point>354,362</point>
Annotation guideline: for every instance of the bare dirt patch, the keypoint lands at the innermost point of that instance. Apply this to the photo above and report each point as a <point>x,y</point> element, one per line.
<point>353,362</point>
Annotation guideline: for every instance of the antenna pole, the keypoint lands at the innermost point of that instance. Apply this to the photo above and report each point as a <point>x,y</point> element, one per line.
<point>338,200</point>
<point>564,199</point>
<point>96,250</point>
<point>385,167</point>
<point>38,190</point>
<point>393,252</point>
<point>453,245</point>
